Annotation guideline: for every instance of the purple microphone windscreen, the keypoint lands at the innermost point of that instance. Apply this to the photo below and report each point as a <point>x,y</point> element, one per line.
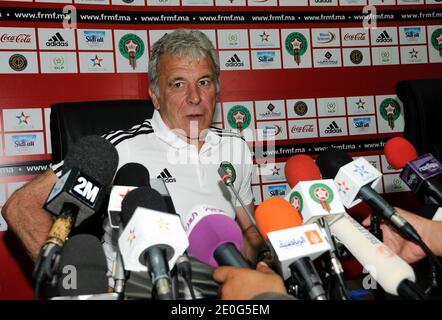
<point>211,232</point>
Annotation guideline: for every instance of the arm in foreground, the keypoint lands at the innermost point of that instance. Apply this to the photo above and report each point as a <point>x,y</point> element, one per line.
<point>24,212</point>
<point>244,284</point>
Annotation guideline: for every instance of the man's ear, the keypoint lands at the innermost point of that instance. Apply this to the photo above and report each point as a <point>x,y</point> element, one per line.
<point>154,99</point>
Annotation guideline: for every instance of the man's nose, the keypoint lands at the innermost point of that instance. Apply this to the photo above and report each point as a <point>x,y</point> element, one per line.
<point>193,94</point>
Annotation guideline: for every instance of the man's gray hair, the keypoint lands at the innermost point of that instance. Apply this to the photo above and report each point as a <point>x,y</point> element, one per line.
<point>182,42</point>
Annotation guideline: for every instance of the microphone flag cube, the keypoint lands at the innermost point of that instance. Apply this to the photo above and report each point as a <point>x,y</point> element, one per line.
<point>148,228</point>
<point>316,199</point>
<point>352,177</point>
<point>291,244</point>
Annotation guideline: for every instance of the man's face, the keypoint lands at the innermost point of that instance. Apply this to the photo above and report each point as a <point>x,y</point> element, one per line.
<point>187,93</point>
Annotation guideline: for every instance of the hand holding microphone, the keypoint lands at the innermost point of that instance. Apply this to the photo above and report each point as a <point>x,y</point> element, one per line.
<point>408,250</point>
<point>356,179</point>
<point>244,284</point>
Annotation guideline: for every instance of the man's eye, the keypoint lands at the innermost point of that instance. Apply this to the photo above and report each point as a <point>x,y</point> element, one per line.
<point>178,84</point>
<point>204,82</point>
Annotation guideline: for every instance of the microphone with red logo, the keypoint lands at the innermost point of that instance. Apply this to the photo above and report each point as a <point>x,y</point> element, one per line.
<point>421,174</point>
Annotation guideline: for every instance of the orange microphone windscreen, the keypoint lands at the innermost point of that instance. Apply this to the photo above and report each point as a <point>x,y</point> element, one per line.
<point>399,151</point>
<point>301,168</point>
<point>276,214</point>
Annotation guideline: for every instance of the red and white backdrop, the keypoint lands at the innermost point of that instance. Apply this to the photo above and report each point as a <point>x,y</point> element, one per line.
<point>305,71</point>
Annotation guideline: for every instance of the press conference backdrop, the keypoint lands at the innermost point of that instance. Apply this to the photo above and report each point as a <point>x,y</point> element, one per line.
<point>304,71</point>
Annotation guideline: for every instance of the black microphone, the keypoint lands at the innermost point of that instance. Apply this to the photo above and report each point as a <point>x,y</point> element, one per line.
<point>82,268</point>
<point>331,160</point>
<point>132,174</point>
<point>88,171</point>
<point>141,197</point>
<point>129,175</point>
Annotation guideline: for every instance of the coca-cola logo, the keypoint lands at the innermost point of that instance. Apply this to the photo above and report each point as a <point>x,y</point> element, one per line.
<point>19,38</point>
<point>302,129</point>
<point>360,36</point>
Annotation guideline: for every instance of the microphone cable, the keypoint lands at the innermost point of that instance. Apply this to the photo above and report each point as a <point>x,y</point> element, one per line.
<point>335,265</point>
<point>435,267</point>
<point>184,268</point>
<point>48,261</point>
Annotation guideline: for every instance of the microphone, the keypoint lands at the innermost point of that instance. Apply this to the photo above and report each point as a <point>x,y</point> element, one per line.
<point>301,168</point>
<point>132,174</point>
<point>82,268</point>
<point>294,245</point>
<point>151,238</point>
<point>88,171</point>
<point>214,237</point>
<point>389,270</point>
<point>128,177</point>
<point>353,178</point>
<point>228,176</point>
<point>419,173</point>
